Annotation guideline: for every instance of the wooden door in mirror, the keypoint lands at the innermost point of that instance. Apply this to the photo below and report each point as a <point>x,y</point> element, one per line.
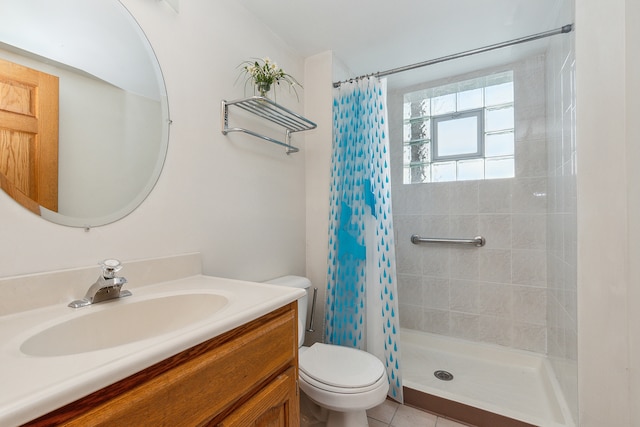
<point>29,136</point>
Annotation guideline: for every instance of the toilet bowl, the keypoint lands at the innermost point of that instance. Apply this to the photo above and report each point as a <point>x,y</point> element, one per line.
<point>345,381</point>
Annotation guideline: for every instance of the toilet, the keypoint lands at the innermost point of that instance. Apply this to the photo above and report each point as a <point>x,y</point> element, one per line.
<point>343,380</point>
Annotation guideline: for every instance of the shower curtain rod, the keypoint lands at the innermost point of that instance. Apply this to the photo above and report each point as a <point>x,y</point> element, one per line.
<point>562,30</point>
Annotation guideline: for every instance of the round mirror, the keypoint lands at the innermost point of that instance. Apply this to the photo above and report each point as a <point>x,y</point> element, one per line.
<point>84,119</point>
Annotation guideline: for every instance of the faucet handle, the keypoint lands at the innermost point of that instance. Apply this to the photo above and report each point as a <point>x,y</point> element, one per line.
<point>110,267</point>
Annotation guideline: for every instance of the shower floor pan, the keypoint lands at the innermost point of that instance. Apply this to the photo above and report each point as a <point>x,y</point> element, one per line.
<point>491,380</point>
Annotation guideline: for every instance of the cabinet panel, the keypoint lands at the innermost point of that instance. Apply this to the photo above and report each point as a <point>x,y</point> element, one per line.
<point>202,384</point>
<point>273,406</point>
<point>210,382</point>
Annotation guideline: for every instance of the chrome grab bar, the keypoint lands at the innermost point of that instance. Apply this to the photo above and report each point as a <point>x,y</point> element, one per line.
<point>477,241</point>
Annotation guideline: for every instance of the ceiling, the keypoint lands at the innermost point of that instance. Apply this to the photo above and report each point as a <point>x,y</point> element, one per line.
<point>368,36</point>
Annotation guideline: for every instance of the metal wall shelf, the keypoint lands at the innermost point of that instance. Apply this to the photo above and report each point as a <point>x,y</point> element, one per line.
<point>268,110</point>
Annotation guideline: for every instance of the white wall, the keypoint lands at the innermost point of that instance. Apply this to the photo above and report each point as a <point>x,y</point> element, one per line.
<point>238,200</point>
<point>607,111</point>
<point>318,75</point>
<point>632,14</point>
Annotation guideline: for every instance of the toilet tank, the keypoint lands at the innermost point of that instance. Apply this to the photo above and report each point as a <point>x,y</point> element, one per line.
<point>302,283</point>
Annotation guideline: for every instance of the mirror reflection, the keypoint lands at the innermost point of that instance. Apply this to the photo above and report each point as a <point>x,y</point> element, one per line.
<point>83,110</point>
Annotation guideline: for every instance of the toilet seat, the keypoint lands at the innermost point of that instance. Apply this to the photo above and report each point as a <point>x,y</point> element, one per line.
<point>341,369</point>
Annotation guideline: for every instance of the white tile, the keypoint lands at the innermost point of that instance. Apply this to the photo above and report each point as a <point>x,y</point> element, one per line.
<point>530,231</point>
<point>464,325</point>
<point>464,197</point>
<point>555,234</point>
<point>463,296</point>
<point>463,226</point>
<point>407,199</point>
<point>383,412</point>
<point>495,330</point>
<point>410,316</point>
<point>436,198</point>
<point>529,267</point>
<point>494,265</point>
<point>530,123</point>
<point>408,255</point>
<point>435,321</point>
<point>530,304</point>
<point>435,260</point>
<point>495,196</point>
<point>495,299</point>
<point>529,195</point>
<point>410,417</point>
<point>529,75</point>
<point>496,229</point>
<point>464,263</point>
<point>434,226</point>
<point>410,289</point>
<point>530,158</point>
<point>375,423</point>
<point>529,337</point>
<point>436,293</point>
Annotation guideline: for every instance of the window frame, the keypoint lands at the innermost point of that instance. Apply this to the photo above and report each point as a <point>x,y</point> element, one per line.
<point>478,113</point>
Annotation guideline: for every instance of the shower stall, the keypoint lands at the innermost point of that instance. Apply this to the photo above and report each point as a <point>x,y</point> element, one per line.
<point>489,331</point>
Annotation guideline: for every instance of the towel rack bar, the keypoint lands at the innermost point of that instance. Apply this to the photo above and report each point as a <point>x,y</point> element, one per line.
<point>290,122</point>
<point>268,110</point>
<point>290,148</point>
<point>477,241</point>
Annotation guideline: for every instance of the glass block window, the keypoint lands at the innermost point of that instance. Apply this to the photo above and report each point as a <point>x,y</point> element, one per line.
<point>460,131</point>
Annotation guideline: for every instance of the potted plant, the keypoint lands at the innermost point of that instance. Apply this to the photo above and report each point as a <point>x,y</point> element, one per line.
<point>263,74</point>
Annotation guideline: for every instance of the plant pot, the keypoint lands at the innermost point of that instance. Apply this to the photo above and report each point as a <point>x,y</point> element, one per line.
<point>263,88</point>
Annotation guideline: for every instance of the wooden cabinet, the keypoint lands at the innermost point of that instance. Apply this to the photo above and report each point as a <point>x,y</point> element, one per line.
<point>245,377</point>
<point>274,405</point>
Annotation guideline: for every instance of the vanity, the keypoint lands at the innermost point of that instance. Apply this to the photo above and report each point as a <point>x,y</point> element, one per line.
<point>244,377</point>
<point>233,365</point>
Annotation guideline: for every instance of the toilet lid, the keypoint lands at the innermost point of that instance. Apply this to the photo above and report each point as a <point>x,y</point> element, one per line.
<point>341,366</point>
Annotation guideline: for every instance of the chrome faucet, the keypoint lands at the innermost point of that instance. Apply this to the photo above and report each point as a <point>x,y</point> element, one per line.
<point>107,287</point>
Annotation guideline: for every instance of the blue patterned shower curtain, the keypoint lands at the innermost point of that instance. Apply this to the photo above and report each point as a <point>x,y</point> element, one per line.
<point>361,309</point>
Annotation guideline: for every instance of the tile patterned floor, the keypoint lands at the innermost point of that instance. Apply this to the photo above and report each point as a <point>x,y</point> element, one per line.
<point>392,414</point>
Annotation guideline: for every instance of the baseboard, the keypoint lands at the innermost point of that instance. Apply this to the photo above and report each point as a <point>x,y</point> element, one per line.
<point>458,411</point>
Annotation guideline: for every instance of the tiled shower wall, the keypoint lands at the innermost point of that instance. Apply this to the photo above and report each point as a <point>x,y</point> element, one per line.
<point>497,293</point>
<point>561,222</point>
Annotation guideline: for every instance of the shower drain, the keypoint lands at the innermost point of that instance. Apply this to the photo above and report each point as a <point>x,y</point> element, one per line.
<point>443,375</point>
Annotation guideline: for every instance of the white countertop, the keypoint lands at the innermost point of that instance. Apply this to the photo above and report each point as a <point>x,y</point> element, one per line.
<point>33,386</point>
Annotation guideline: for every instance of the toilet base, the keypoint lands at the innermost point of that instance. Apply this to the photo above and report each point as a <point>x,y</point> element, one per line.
<point>347,419</point>
<point>314,415</point>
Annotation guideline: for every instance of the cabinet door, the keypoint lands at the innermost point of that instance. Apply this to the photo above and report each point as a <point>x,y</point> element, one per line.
<point>276,405</point>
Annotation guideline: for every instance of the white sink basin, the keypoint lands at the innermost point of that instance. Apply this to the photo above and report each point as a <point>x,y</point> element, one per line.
<point>122,322</point>
<point>53,355</point>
